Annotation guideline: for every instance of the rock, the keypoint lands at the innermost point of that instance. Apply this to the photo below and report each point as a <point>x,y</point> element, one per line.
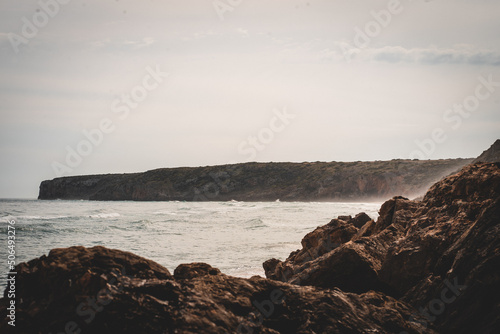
<point>98,290</point>
<point>321,241</point>
<point>490,155</point>
<point>360,219</point>
<point>72,268</point>
<point>440,255</point>
<point>343,256</point>
<point>345,218</point>
<point>192,270</point>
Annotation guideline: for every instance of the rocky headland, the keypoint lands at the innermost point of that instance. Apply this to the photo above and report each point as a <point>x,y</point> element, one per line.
<point>309,181</point>
<point>429,266</point>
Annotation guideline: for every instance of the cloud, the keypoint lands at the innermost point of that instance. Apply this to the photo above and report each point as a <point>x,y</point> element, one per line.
<point>242,31</point>
<point>203,34</point>
<point>460,54</point>
<point>101,43</point>
<point>434,56</point>
<point>134,44</point>
<point>4,37</point>
<point>146,41</point>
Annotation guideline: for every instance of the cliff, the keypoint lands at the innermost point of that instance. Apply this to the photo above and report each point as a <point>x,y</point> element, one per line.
<point>427,266</point>
<point>318,181</point>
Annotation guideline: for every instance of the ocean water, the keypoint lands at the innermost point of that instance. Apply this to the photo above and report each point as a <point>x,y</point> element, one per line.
<point>236,237</point>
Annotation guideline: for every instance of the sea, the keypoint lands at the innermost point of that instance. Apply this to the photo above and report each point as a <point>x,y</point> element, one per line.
<point>236,237</point>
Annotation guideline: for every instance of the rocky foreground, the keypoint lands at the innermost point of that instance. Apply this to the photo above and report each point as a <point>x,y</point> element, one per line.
<point>430,266</point>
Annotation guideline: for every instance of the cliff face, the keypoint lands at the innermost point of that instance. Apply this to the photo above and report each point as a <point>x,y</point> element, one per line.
<point>334,181</point>
<point>440,255</point>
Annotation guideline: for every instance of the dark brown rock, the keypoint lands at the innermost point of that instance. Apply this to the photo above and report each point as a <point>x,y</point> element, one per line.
<point>192,270</point>
<point>322,240</point>
<point>490,155</point>
<point>360,219</point>
<point>98,290</point>
<point>341,255</point>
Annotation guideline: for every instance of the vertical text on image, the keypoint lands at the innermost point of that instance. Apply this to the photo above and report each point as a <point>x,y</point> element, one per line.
<point>11,275</point>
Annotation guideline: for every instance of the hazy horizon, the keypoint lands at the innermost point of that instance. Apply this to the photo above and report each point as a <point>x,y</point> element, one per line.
<point>92,87</point>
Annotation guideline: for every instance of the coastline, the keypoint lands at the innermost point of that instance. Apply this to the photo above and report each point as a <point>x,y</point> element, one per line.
<point>464,207</point>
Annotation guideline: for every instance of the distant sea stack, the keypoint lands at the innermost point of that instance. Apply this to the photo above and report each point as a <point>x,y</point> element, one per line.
<point>308,181</point>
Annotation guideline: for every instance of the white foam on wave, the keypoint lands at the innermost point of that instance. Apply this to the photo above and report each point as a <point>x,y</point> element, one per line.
<point>37,217</point>
<point>246,272</point>
<point>165,213</point>
<point>105,215</point>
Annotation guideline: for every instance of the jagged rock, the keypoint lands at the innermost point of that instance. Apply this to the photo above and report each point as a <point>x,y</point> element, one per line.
<point>98,290</point>
<point>490,155</point>
<point>361,219</point>
<point>423,252</point>
<point>322,240</point>
<point>350,262</point>
<point>192,270</point>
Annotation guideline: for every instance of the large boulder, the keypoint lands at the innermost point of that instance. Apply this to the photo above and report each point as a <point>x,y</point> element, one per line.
<point>342,256</point>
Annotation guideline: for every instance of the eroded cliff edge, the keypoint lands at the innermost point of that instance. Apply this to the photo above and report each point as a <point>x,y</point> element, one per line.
<point>318,181</point>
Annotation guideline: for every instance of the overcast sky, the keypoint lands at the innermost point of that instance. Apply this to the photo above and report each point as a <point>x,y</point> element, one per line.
<point>249,80</point>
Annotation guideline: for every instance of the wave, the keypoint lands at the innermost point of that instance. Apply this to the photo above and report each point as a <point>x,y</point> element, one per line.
<point>106,215</point>
<point>255,223</point>
<point>55,217</point>
<point>17,218</point>
<point>165,213</point>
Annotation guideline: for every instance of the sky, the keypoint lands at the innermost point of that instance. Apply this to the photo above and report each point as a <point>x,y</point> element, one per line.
<point>95,87</point>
